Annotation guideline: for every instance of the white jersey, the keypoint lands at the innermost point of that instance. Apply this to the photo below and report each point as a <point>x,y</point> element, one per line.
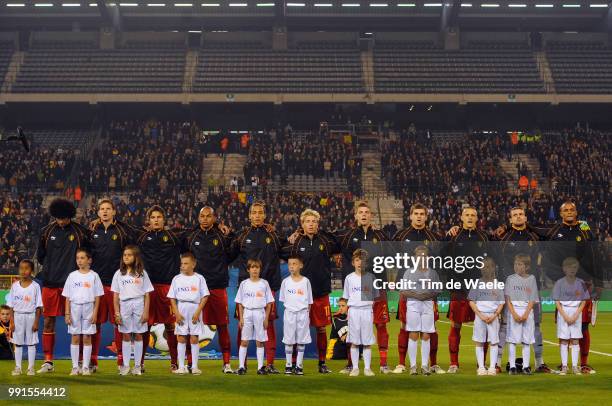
<point>422,280</point>
<point>521,290</point>
<point>83,288</point>
<point>24,300</point>
<point>188,288</point>
<point>254,295</point>
<point>131,286</point>
<point>359,290</point>
<point>296,295</point>
<point>570,294</point>
<point>487,300</point>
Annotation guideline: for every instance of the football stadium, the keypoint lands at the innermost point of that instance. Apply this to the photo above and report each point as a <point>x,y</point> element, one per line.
<point>307,201</point>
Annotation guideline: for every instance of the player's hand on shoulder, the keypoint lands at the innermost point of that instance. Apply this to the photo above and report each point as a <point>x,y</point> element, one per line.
<point>270,228</point>
<point>225,230</point>
<point>500,231</point>
<point>293,237</point>
<point>454,230</point>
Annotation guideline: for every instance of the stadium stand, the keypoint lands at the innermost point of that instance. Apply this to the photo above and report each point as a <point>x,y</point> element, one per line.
<point>488,68</point>
<point>580,67</point>
<point>78,67</point>
<point>6,50</point>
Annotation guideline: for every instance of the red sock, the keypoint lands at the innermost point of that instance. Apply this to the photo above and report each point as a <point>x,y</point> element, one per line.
<point>433,349</point>
<point>119,339</point>
<point>454,338</point>
<point>382,336</point>
<point>48,342</point>
<point>145,345</point>
<point>224,343</point>
<point>322,344</point>
<point>95,346</point>
<point>585,344</point>
<point>172,343</point>
<point>271,343</point>
<point>402,346</point>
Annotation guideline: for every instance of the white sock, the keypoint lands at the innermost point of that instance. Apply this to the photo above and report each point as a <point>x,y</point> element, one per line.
<point>480,356</point>
<point>355,356</point>
<point>563,349</point>
<point>18,356</point>
<point>575,353</point>
<point>260,357</point>
<point>425,345</point>
<point>126,347</point>
<point>512,354</point>
<point>493,358</point>
<point>195,355</point>
<point>181,349</point>
<point>74,355</point>
<point>526,355</point>
<point>242,353</point>
<point>86,355</point>
<point>539,361</point>
<point>288,355</point>
<point>300,355</point>
<point>367,357</point>
<point>31,356</point>
<point>412,351</point>
<point>138,348</point>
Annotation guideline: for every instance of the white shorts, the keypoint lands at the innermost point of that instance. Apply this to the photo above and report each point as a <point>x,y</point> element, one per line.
<point>568,331</point>
<point>360,324</point>
<point>80,315</point>
<point>486,333</point>
<point>23,334</point>
<point>253,328</point>
<point>420,316</point>
<point>520,332</point>
<point>188,328</point>
<point>296,327</point>
<point>131,311</point>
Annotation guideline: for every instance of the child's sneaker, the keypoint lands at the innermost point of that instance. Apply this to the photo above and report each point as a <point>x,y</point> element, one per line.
<point>368,372</point>
<point>299,371</point>
<point>426,371</point>
<point>482,371</point>
<point>262,371</point>
<point>512,371</point>
<point>124,370</point>
<point>400,369</point>
<point>354,372</point>
<point>385,370</point>
<point>85,371</point>
<point>577,370</point>
<point>345,371</point>
<point>227,369</point>
<point>181,371</point>
<point>288,370</point>
<point>46,368</point>
<point>436,369</point>
<point>492,371</point>
<point>453,369</point>
<point>241,371</point>
<point>196,371</point>
<point>16,371</point>
<point>74,371</point>
<point>563,371</point>
<point>137,370</point>
<point>413,370</point>
<point>527,371</point>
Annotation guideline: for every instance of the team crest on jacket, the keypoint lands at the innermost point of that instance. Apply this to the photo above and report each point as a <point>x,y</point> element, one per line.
<point>215,242</point>
<point>71,237</point>
<point>374,240</point>
<point>321,247</point>
<point>114,237</point>
<point>578,238</point>
<point>268,240</point>
<point>165,238</point>
<point>426,242</point>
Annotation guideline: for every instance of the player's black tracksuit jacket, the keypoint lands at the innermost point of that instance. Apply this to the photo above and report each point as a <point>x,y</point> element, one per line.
<point>161,250</point>
<point>351,239</point>
<point>107,246</point>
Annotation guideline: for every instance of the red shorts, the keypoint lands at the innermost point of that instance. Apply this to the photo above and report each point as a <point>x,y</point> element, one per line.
<point>215,312</point>
<point>401,310</point>
<point>160,309</point>
<point>106,309</point>
<point>459,310</point>
<point>587,311</point>
<point>381,311</point>
<point>320,312</point>
<point>54,304</point>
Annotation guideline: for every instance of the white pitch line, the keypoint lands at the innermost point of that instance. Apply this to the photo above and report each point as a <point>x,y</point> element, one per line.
<point>544,341</point>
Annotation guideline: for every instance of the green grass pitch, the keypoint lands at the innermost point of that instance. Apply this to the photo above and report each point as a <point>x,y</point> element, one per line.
<point>158,386</point>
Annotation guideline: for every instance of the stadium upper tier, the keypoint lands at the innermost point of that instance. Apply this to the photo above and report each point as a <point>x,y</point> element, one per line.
<point>308,67</point>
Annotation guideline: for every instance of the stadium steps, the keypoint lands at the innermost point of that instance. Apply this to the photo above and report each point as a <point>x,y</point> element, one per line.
<point>212,165</point>
<point>12,71</point>
<point>307,183</point>
<point>234,166</point>
<point>391,210</point>
<point>534,168</point>
<point>545,72</point>
<point>373,185</point>
<point>367,67</point>
<point>191,67</point>
<point>510,169</point>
